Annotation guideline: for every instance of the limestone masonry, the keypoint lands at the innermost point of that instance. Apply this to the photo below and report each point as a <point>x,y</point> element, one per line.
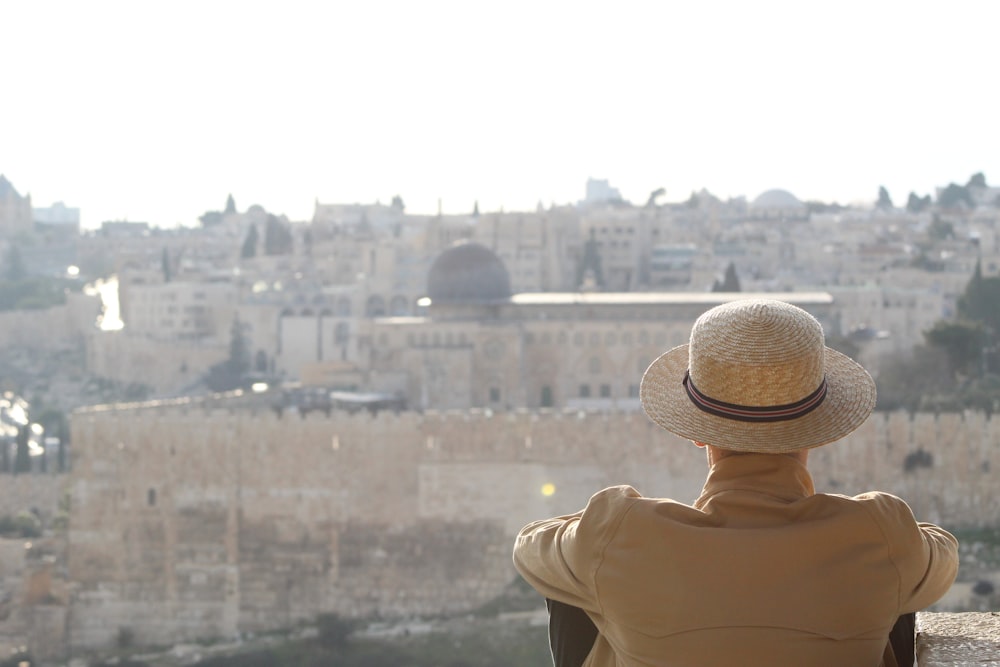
<point>190,522</point>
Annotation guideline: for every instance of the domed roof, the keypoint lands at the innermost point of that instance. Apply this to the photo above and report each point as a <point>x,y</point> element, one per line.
<point>467,273</point>
<point>777,199</point>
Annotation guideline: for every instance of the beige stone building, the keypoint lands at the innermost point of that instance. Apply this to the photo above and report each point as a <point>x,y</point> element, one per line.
<point>479,346</point>
<point>15,210</point>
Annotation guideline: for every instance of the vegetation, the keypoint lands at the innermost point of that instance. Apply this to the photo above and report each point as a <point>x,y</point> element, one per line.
<point>230,374</point>
<point>884,200</point>
<point>22,460</point>
<point>249,249</point>
<point>917,204</point>
<point>34,293</point>
<point>24,525</point>
<point>19,659</point>
<point>729,283</point>
<point>955,196</point>
<point>277,237</point>
<point>483,645</point>
<point>958,366</point>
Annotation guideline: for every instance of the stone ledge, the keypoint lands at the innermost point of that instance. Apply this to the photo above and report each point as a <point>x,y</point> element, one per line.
<point>958,640</point>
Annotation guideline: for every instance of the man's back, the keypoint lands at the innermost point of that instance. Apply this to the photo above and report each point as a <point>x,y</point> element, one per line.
<point>760,571</point>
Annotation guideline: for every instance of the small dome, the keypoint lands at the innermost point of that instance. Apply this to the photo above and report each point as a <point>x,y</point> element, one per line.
<point>777,199</point>
<point>467,273</point>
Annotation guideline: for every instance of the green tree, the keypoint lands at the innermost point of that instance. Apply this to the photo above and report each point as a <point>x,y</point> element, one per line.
<point>334,631</point>
<point>916,204</point>
<point>905,380</point>
<point>210,218</point>
<point>980,302</point>
<point>230,205</point>
<point>977,180</point>
<point>277,237</point>
<point>229,374</point>
<point>730,282</point>
<point>165,265</point>
<point>22,458</point>
<point>941,230</point>
<point>884,200</point>
<point>962,341</point>
<point>14,268</point>
<point>249,249</point>
<point>955,196</point>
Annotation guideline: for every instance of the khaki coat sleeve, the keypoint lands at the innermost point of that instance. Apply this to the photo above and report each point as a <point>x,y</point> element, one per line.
<point>559,557</point>
<point>925,555</point>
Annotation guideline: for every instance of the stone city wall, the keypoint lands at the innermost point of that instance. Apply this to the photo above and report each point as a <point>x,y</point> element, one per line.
<point>190,522</point>
<point>39,493</point>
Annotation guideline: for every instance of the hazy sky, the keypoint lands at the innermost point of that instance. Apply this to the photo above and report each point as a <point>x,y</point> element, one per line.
<point>155,111</point>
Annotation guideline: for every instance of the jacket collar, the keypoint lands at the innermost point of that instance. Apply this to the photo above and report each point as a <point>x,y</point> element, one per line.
<point>774,475</point>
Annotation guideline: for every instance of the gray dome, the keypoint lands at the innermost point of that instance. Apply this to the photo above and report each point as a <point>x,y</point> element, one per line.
<point>467,273</point>
<point>777,199</point>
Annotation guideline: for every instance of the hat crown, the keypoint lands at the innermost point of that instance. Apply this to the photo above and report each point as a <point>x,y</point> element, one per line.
<point>757,353</point>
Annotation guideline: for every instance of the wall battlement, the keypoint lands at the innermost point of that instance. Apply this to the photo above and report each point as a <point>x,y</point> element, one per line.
<point>193,521</point>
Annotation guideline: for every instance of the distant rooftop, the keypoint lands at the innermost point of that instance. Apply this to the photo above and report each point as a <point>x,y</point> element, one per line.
<point>661,298</point>
<point>7,190</point>
<point>777,199</point>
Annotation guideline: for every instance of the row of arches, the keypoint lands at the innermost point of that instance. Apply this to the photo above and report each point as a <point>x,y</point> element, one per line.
<point>375,306</point>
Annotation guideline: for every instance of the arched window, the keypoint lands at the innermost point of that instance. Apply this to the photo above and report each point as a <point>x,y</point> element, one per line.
<point>399,306</point>
<point>341,333</point>
<point>375,307</point>
<point>344,307</point>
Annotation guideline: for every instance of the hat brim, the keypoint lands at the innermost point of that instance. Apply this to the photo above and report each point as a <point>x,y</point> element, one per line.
<point>849,401</point>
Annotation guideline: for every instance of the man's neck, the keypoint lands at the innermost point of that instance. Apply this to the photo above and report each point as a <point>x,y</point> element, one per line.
<point>716,454</point>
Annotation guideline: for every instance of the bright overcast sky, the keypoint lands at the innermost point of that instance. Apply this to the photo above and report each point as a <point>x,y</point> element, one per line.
<point>155,111</point>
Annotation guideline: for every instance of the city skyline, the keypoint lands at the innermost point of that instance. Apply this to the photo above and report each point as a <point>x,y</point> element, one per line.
<point>157,112</point>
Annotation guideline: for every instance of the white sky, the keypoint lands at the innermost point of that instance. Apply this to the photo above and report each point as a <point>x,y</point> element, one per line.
<point>155,111</point>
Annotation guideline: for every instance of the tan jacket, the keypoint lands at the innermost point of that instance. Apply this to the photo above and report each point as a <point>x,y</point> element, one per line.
<point>760,571</point>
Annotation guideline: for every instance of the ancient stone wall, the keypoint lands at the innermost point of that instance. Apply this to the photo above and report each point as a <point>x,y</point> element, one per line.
<point>190,522</point>
<point>31,492</point>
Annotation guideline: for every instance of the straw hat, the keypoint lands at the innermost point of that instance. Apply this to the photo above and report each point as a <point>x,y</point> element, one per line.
<point>757,376</point>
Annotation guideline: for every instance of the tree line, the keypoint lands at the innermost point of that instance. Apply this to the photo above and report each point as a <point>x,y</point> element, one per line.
<point>957,367</point>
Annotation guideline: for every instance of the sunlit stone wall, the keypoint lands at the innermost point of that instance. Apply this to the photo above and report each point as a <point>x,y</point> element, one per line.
<point>190,522</point>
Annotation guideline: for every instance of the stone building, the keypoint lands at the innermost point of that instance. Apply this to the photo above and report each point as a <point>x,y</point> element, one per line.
<point>15,210</point>
<point>477,345</point>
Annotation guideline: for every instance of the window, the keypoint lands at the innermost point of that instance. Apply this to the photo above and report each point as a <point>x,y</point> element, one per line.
<point>584,391</point>
<point>547,401</point>
<point>633,391</point>
<point>494,395</point>
<point>605,391</point>
<point>151,497</point>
